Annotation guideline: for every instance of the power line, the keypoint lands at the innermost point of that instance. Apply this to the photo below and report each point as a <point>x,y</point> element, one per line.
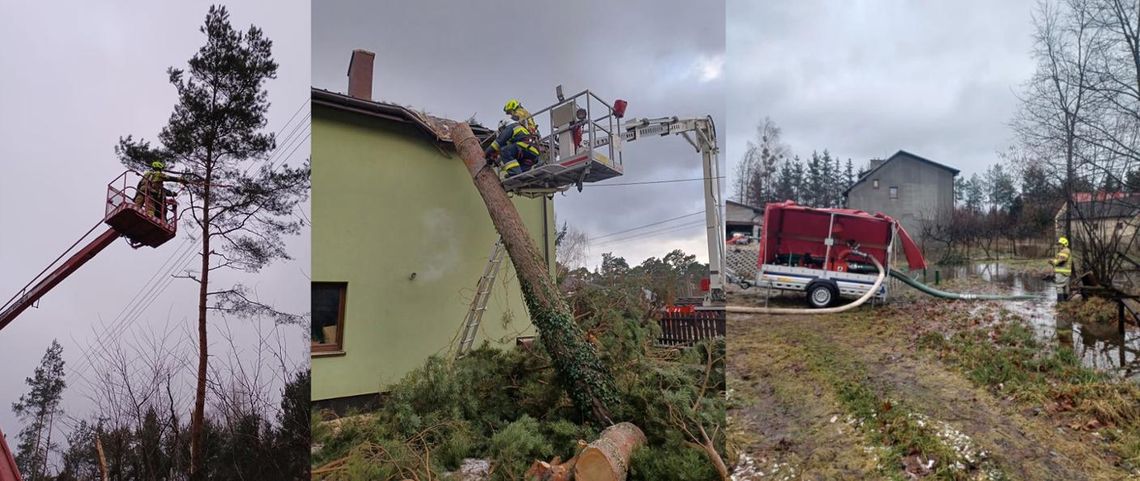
<point>289,140</point>
<point>158,284</point>
<point>37,278</point>
<point>147,294</point>
<point>291,117</point>
<point>666,181</point>
<point>642,235</point>
<point>651,224</point>
<point>304,102</point>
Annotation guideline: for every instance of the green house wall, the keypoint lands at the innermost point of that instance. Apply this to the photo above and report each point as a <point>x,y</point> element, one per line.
<point>400,221</point>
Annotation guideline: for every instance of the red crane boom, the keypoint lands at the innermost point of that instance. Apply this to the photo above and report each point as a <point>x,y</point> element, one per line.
<point>149,219</point>
<point>58,275</point>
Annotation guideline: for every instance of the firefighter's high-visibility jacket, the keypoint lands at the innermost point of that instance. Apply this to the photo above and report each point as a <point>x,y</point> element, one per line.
<point>1061,263</point>
<point>514,133</point>
<point>151,182</point>
<point>526,120</point>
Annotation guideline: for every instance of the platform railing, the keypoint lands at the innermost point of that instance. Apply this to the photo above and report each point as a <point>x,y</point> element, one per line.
<point>122,192</point>
<point>593,129</point>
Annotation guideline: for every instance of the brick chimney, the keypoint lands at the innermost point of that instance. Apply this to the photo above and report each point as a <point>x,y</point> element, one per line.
<point>360,74</point>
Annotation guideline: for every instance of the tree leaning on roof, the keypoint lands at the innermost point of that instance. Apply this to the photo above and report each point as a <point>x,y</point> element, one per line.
<point>586,378</point>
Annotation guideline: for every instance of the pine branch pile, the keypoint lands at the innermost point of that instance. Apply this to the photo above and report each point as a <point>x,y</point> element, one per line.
<point>508,408</point>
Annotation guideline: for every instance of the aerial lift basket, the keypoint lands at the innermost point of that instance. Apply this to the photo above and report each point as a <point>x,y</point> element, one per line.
<point>148,220</point>
<point>584,146</point>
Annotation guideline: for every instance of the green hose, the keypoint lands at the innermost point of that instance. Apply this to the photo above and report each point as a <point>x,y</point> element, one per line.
<point>950,295</point>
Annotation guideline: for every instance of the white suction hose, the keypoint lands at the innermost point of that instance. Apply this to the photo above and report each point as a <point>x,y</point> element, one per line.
<point>829,310</point>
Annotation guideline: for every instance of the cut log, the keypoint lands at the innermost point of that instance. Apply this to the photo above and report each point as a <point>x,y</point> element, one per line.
<point>607,459</point>
<point>579,368</point>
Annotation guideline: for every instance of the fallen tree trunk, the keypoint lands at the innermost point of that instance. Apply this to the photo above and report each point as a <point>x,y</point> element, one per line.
<point>607,458</point>
<point>586,379</point>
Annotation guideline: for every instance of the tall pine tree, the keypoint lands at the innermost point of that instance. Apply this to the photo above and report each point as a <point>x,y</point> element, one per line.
<point>1001,190</point>
<point>961,190</point>
<point>787,181</point>
<point>798,180</point>
<point>813,191</point>
<point>848,175</point>
<point>240,203</point>
<point>38,409</point>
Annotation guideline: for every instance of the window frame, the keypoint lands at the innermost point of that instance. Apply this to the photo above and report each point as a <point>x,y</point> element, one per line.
<point>893,192</point>
<point>875,184</point>
<point>337,347</point>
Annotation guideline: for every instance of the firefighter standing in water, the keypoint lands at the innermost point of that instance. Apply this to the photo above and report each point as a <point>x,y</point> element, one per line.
<point>516,144</point>
<point>1062,269</point>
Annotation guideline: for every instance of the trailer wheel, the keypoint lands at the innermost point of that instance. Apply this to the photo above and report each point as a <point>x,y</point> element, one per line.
<point>822,294</point>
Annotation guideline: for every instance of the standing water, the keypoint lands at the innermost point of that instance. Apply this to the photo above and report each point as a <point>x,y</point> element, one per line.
<point>1098,345</point>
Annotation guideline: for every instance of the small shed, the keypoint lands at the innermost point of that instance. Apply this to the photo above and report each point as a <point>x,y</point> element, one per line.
<point>742,218</point>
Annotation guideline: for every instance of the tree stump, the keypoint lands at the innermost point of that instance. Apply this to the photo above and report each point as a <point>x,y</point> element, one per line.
<point>607,458</point>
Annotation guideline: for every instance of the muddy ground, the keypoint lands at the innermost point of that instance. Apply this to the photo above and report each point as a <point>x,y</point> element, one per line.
<point>858,395</point>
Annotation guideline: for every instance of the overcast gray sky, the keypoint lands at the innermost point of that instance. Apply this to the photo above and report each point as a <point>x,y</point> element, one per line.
<point>76,79</point>
<point>458,59</point>
<point>867,78</point>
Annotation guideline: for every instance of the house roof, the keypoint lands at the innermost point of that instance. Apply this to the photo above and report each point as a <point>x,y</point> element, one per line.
<point>746,206</point>
<point>1101,196</point>
<point>756,213</point>
<point>437,128</point>
<point>899,154</point>
<point>1114,208</point>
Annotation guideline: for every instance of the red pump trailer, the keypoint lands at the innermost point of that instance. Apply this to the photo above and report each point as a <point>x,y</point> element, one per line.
<point>822,251</point>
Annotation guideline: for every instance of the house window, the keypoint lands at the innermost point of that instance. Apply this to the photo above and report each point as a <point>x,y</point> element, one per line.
<point>875,184</point>
<point>894,192</point>
<point>328,316</point>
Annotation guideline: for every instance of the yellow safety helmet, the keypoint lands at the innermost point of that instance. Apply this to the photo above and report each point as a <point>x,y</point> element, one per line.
<point>1064,241</point>
<point>157,165</point>
<point>511,105</point>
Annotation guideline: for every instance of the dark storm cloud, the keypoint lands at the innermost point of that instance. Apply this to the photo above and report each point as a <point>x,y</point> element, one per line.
<point>458,59</point>
<point>865,79</point>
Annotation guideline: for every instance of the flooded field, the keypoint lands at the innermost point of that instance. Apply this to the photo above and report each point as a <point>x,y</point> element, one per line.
<point>1099,345</point>
<point>930,388</point>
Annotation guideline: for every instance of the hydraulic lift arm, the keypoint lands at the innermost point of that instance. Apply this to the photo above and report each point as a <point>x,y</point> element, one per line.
<point>700,132</point>
<point>151,222</point>
<point>145,220</point>
<point>25,300</point>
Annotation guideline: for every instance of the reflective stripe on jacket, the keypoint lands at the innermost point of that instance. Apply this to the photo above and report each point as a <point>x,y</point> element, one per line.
<point>514,164</point>
<point>526,120</point>
<point>1061,263</point>
<point>514,133</point>
<point>151,181</point>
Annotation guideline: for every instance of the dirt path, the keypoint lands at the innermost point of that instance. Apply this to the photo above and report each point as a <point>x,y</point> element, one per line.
<point>789,429</point>
<point>788,418</point>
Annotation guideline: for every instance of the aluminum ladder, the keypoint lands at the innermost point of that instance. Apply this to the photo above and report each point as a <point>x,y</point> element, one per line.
<point>482,295</point>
